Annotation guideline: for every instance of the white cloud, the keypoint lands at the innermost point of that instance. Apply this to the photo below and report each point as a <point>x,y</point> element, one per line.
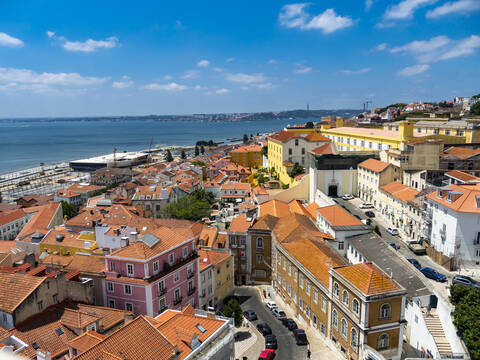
<point>200,87</point>
<point>191,74</point>
<point>300,69</point>
<point>356,72</point>
<point>229,60</point>
<point>368,4</point>
<point>380,47</point>
<point>405,9</point>
<point>222,91</point>
<point>203,63</point>
<point>174,87</point>
<point>122,84</point>
<point>168,77</point>
<point>463,7</point>
<point>86,46</point>
<point>7,40</point>
<point>414,70</point>
<point>266,85</point>
<point>217,69</point>
<point>247,78</point>
<point>272,61</point>
<point>295,16</point>
<point>439,48</point>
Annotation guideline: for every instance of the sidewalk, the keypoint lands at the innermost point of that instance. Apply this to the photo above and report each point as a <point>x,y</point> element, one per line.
<point>319,348</point>
<point>250,342</point>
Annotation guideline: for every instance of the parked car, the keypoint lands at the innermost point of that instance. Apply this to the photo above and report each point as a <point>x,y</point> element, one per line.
<point>347,197</point>
<point>432,274</point>
<point>291,325</point>
<point>417,248</point>
<point>393,245</point>
<point>271,304</point>
<point>392,231</point>
<point>366,206</point>
<point>250,315</point>
<point>370,213</point>
<point>278,313</point>
<point>300,337</point>
<point>264,328</point>
<point>271,342</point>
<point>267,354</point>
<point>366,221</point>
<point>466,281</point>
<point>415,263</point>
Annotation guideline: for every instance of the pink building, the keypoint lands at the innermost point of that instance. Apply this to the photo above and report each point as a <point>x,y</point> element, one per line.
<point>156,271</point>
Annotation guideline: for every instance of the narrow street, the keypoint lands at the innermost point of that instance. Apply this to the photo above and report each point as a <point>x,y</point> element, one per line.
<point>287,348</point>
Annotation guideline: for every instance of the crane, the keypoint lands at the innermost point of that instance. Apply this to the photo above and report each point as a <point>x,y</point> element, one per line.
<point>114,156</point>
<point>149,158</point>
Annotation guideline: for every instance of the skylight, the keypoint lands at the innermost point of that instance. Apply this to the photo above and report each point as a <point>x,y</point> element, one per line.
<point>59,332</point>
<point>201,328</point>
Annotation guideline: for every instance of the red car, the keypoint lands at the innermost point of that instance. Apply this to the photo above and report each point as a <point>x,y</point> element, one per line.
<point>267,354</point>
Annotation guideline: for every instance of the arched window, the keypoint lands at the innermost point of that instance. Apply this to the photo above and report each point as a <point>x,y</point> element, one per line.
<point>385,311</point>
<point>344,329</point>
<point>345,297</point>
<point>259,243</point>
<point>383,341</point>
<point>355,306</point>
<point>353,339</point>
<point>336,290</point>
<point>335,319</point>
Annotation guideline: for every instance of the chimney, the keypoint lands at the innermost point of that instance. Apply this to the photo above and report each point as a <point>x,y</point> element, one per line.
<point>43,355</point>
<point>124,241</point>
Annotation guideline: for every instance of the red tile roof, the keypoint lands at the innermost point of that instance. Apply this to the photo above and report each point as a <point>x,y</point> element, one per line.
<point>240,224</point>
<point>374,165</point>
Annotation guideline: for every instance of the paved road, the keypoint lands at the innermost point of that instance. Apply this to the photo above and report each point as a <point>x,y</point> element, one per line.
<point>287,349</point>
<point>403,250</point>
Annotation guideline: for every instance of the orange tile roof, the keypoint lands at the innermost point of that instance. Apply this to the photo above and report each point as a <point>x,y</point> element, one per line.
<point>129,341</point>
<point>374,165</point>
<point>463,176</point>
<point>460,153</point>
<point>110,316</point>
<point>368,278</point>
<point>86,340</point>
<point>240,224</point>
<point>41,220</point>
<point>260,190</point>
<point>265,222</point>
<point>335,215</point>
<point>316,136</point>
<point>70,239</point>
<point>211,257</point>
<point>466,201</point>
<point>208,235</point>
<point>315,256</point>
<point>296,227</point>
<point>113,215</point>
<point>400,191</point>
<point>275,208</point>
<point>9,216</point>
<point>325,149</point>
<point>284,136</point>
<point>236,186</point>
<point>140,250</point>
<point>77,319</point>
<point>312,209</point>
<point>296,207</point>
<point>180,328</point>
<point>247,149</point>
<point>15,288</point>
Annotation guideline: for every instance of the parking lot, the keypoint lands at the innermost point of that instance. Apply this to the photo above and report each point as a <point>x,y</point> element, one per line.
<point>287,348</point>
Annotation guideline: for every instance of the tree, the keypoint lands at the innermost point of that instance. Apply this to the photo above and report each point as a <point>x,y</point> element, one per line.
<point>309,125</point>
<point>232,309</point>
<point>361,116</point>
<point>251,136</point>
<point>197,151</point>
<point>265,151</point>
<point>245,138</point>
<point>475,108</point>
<point>168,156</point>
<point>191,207</point>
<point>199,163</point>
<point>69,210</point>
<point>297,170</point>
<point>202,150</point>
<point>183,155</point>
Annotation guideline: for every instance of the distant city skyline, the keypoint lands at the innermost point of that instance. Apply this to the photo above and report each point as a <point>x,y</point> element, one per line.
<point>96,59</point>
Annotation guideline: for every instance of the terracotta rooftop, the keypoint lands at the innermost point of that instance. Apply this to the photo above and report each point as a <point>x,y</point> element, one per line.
<point>41,220</point>
<point>247,149</point>
<point>400,191</point>
<point>297,227</point>
<point>466,199</point>
<point>325,149</point>
<point>460,153</point>
<point>266,222</point>
<point>236,186</point>
<point>335,215</point>
<point>15,288</point>
<point>10,216</point>
<point>240,224</point>
<point>463,176</point>
<point>368,278</point>
<point>316,137</point>
<point>77,319</point>
<point>284,136</point>
<point>85,341</point>
<point>211,257</point>
<point>374,165</point>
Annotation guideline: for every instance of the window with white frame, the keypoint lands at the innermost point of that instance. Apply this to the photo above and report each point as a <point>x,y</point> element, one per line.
<point>155,267</point>
<point>385,311</point>
<point>324,304</point>
<point>171,258</point>
<point>336,290</point>
<point>295,275</point>
<point>176,276</point>
<point>345,299</point>
<point>383,341</point>
<point>356,306</point>
<point>289,290</point>
<point>284,284</point>
<point>315,296</point>
<point>127,290</point>
<point>353,339</point>
<point>308,288</point>
<point>130,269</point>
<point>335,319</point>
<point>301,281</point>
<point>344,329</point>
<point>129,306</point>
<point>185,252</point>
<point>109,286</point>
<point>301,304</point>
<point>259,243</point>
<point>259,259</point>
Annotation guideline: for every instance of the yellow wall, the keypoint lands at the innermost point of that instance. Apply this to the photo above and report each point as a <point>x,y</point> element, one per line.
<point>66,250</point>
<point>225,276</point>
<point>251,159</point>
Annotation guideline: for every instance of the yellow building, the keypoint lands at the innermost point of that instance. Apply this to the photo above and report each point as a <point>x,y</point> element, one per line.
<point>287,148</point>
<point>247,156</point>
<point>66,242</point>
<point>216,277</point>
<point>372,174</point>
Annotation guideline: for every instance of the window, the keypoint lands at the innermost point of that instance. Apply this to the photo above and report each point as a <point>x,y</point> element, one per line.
<point>284,283</point>
<point>259,259</point>
<point>341,245</point>
<point>185,252</point>
<point>289,151</point>
<point>355,306</point>
<point>296,142</point>
<point>307,311</point>
<point>176,276</point>
<point>344,329</point>
<point>177,295</point>
<point>129,269</point>
<point>171,258</point>
<point>161,286</point>
<point>345,297</point>
<point>303,151</point>
<point>111,303</point>
<point>289,290</point>
<point>289,270</point>
<point>335,319</point>
<point>112,266</point>
<point>295,274</point>
<point>127,290</point>
<point>385,311</point>
<point>315,296</point>
<point>308,288</point>
<point>55,298</point>
<point>162,304</point>
<point>301,281</point>
<point>353,339</point>
<point>129,307</point>
<point>301,304</point>
<point>259,243</point>
<point>109,286</point>
<point>324,304</point>
<point>335,290</point>
<point>383,341</point>
<point>155,267</point>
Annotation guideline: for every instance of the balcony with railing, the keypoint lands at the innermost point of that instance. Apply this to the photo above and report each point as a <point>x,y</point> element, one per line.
<point>191,291</point>
<point>177,300</point>
<point>162,291</point>
<point>190,274</point>
<point>162,309</point>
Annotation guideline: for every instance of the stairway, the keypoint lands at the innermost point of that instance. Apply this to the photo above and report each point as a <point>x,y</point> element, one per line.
<point>435,328</point>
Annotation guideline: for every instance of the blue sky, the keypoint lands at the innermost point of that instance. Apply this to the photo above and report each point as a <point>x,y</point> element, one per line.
<point>156,57</point>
